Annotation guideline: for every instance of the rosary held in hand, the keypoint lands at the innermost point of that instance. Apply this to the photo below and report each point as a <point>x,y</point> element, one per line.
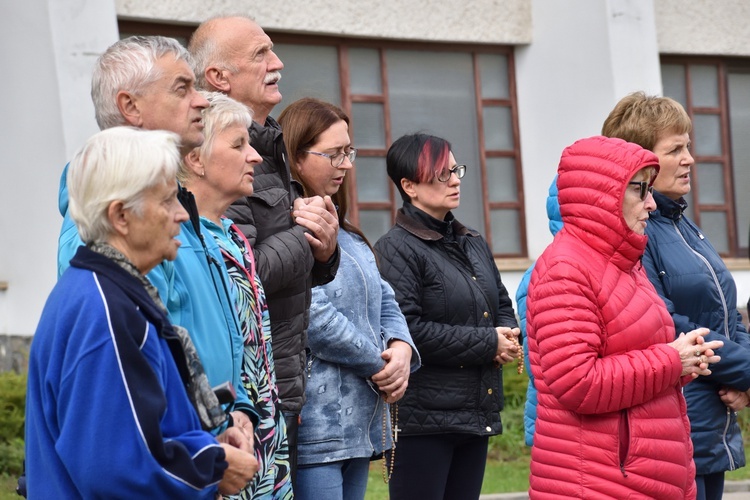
<point>514,339</point>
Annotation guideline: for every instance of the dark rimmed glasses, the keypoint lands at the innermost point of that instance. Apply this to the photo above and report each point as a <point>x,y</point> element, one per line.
<point>337,158</point>
<point>445,174</point>
<point>645,188</point>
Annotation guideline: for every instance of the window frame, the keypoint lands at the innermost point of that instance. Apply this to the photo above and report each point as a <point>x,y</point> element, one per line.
<point>342,46</point>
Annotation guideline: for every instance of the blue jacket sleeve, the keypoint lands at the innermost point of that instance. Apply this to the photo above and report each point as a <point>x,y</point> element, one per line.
<point>333,338</point>
<point>529,412</point>
<point>67,244</point>
<point>394,324</point>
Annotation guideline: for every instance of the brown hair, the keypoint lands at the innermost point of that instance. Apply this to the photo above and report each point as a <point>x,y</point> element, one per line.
<point>644,119</point>
<point>302,123</point>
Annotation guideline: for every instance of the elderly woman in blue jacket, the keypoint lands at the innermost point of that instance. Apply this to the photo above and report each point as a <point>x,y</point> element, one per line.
<point>361,352</point>
<point>529,410</point>
<point>696,286</point>
<point>115,390</point>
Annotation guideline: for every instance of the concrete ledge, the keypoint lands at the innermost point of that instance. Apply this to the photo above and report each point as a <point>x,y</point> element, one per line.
<point>729,487</point>
<point>737,486</point>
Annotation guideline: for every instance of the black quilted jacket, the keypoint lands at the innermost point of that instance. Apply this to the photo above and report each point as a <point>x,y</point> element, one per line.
<point>450,292</point>
<point>283,258</point>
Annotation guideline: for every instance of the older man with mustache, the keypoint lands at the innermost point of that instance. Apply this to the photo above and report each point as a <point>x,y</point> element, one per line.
<point>235,56</point>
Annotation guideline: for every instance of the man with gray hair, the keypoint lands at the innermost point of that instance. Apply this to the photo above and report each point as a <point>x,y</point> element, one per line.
<point>145,82</point>
<point>234,55</point>
<point>148,83</point>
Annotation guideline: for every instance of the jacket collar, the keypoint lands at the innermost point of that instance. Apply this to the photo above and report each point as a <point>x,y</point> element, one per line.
<point>669,208</point>
<point>264,137</point>
<point>428,228</point>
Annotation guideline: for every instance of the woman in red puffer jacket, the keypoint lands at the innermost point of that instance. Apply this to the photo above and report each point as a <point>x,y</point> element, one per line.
<point>611,419</point>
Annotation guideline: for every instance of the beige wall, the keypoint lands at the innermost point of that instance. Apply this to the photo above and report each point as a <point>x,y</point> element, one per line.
<point>713,27</point>
<point>485,21</point>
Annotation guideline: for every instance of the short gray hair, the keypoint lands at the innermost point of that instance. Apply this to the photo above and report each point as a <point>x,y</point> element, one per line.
<point>119,163</point>
<point>222,112</point>
<point>129,65</point>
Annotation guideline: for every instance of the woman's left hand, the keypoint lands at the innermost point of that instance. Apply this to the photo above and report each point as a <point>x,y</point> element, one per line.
<point>243,423</point>
<point>393,379</point>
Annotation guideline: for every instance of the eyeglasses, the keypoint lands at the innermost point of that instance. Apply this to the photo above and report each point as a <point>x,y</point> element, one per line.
<point>644,188</point>
<point>445,174</point>
<point>338,158</point>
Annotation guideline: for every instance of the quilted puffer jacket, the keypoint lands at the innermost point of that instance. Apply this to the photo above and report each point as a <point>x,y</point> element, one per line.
<point>699,291</point>
<point>284,259</point>
<point>611,419</point>
<point>450,292</point>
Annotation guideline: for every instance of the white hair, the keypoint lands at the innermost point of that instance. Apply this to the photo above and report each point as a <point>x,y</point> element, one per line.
<point>119,163</point>
<point>129,65</point>
<point>222,112</point>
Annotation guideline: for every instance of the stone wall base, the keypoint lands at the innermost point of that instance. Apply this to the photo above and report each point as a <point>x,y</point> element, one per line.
<point>14,352</point>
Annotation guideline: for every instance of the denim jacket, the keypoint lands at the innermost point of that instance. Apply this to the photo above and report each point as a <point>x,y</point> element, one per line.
<point>352,319</point>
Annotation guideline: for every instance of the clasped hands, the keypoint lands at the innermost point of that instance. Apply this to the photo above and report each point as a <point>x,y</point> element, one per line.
<point>696,354</point>
<point>393,378</point>
<point>318,215</point>
<point>507,349</point>
<point>238,443</point>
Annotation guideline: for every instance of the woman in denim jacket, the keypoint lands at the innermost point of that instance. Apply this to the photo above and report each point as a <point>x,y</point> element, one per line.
<point>361,352</point>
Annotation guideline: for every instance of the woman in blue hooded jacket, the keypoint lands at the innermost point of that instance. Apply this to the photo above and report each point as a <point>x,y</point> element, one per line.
<point>694,282</point>
<point>529,411</point>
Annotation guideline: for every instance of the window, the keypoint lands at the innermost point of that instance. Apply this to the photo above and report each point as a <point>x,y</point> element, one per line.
<point>464,93</point>
<point>716,95</point>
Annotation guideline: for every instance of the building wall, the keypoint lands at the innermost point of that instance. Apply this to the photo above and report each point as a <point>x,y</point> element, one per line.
<point>47,50</point>
<point>703,27</point>
<point>483,21</point>
<point>574,59</point>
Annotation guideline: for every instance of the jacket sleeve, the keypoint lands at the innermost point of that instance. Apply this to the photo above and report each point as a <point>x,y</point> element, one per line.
<point>325,272</point>
<point>529,413</point>
<point>163,277</point>
<point>393,323</point>
<point>569,336</point>
<point>333,338</point>
<point>283,257</point>
<point>734,368</point>
<point>439,343</point>
<point>113,442</point>
<point>67,244</point>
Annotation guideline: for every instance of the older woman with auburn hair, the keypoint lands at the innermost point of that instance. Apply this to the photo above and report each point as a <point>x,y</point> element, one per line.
<point>361,352</point>
<point>695,284</point>
<point>107,412</point>
<point>217,173</point>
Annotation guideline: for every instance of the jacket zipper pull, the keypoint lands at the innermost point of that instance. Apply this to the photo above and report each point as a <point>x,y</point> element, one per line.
<point>622,469</point>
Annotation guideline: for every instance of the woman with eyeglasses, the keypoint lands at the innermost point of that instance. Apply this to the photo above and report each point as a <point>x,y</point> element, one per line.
<point>361,353</point>
<point>692,279</point>
<point>461,319</point>
<point>611,419</point>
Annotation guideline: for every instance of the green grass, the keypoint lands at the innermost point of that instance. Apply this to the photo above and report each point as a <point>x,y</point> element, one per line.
<point>507,467</point>
<point>8,488</point>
